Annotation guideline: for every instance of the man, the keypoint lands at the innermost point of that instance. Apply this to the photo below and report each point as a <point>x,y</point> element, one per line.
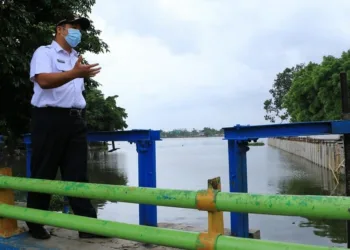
<point>58,127</point>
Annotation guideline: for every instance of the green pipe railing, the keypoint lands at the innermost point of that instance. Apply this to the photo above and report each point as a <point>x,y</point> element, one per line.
<point>151,235</point>
<point>325,207</point>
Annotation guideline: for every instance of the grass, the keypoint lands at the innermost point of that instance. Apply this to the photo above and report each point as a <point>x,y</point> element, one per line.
<point>256,144</point>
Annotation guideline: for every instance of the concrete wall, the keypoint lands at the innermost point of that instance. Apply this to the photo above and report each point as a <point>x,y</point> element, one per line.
<point>325,153</point>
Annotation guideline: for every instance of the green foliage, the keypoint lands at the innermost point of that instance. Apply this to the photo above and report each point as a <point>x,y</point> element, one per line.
<point>310,93</point>
<point>178,133</point>
<point>301,95</point>
<point>26,25</point>
<point>103,114</point>
<point>56,203</point>
<point>283,82</point>
<point>256,144</point>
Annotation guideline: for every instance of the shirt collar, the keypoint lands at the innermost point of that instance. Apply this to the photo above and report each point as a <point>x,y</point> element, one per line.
<point>58,48</point>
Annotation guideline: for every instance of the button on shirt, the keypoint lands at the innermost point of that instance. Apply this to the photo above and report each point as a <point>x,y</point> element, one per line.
<point>53,58</point>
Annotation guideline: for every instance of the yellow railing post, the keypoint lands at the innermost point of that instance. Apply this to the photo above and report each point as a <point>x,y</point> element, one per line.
<point>215,219</point>
<point>206,201</point>
<point>8,227</point>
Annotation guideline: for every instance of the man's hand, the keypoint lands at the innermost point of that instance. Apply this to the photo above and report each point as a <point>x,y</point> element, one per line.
<point>85,70</point>
<point>57,79</point>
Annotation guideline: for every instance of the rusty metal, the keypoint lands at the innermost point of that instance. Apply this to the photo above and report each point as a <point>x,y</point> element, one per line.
<point>205,200</point>
<point>8,227</point>
<point>215,218</point>
<point>206,241</point>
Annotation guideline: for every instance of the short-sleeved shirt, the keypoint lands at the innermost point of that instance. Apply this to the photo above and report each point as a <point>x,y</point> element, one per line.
<point>53,58</point>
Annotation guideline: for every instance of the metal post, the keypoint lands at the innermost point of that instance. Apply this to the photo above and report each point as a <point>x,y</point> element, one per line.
<point>238,183</point>
<point>216,218</point>
<point>28,159</point>
<point>147,178</point>
<point>346,116</point>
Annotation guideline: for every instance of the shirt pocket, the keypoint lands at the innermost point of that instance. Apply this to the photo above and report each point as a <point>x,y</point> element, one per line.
<point>62,65</point>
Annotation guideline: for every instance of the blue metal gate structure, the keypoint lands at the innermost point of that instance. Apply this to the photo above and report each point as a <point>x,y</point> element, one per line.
<point>145,141</point>
<point>237,137</point>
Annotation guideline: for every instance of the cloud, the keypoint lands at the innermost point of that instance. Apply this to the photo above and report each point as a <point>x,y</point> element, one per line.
<point>185,64</point>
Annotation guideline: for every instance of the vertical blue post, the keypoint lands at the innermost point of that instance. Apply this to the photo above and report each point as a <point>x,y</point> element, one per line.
<point>238,183</point>
<point>65,205</point>
<point>28,143</point>
<point>147,178</point>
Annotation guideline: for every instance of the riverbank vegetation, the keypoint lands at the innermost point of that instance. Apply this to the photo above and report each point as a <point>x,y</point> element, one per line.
<point>205,132</point>
<point>308,91</point>
<point>26,25</point>
<point>256,143</point>
<point>184,133</point>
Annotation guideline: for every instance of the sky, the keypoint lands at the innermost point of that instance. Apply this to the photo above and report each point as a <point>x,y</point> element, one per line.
<point>209,63</point>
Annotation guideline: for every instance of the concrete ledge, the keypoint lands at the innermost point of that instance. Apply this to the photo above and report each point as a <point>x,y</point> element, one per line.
<point>64,239</point>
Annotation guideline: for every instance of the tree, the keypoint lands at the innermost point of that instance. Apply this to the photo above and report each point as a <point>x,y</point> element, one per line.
<point>302,98</point>
<point>176,133</point>
<point>315,94</point>
<point>308,93</point>
<point>103,114</point>
<point>26,25</point>
<point>209,131</point>
<point>281,86</point>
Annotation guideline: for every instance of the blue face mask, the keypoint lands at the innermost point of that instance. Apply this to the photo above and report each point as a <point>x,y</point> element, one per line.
<point>73,37</point>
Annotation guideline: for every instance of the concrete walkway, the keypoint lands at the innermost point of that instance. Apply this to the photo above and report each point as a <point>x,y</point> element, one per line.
<point>63,239</point>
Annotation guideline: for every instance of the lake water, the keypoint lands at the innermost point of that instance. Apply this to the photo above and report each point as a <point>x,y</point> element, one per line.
<point>188,163</point>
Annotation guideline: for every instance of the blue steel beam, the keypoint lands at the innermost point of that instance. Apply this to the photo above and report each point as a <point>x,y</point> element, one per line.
<point>240,132</point>
<point>147,178</point>
<point>146,148</point>
<point>129,135</point>
<point>237,156</point>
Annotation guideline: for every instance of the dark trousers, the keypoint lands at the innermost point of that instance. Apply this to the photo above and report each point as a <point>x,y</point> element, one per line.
<point>59,142</point>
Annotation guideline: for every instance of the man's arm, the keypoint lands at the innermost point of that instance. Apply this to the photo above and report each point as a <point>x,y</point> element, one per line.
<point>41,70</point>
<point>54,80</point>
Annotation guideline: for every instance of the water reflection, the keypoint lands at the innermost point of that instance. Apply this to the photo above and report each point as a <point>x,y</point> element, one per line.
<point>309,179</point>
<point>106,168</point>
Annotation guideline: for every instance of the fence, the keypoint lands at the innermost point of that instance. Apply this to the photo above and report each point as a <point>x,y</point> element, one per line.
<point>238,138</point>
<point>325,153</point>
<point>212,200</point>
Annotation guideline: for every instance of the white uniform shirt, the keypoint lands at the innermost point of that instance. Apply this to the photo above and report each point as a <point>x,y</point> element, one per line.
<point>53,58</point>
